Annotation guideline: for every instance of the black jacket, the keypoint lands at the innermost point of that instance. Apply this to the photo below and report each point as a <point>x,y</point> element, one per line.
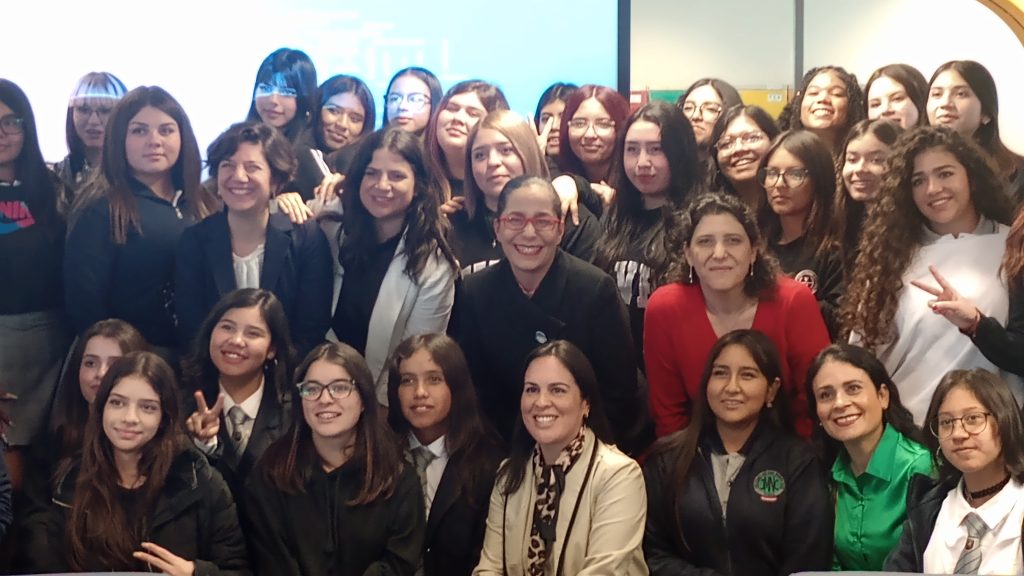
<point>768,530</point>
<point>1004,346</point>
<point>500,326</point>
<point>924,501</point>
<point>316,533</point>
<point>194,518</point>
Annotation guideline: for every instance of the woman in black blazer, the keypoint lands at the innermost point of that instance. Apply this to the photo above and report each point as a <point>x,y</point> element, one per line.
<point>539,293</point>
<point>246,246</point>
<point>433,406</point>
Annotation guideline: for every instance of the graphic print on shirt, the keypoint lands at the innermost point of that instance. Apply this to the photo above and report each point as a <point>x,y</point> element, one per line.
<point>14,216</point>
<point>634,281</point>
<point>808,278</point>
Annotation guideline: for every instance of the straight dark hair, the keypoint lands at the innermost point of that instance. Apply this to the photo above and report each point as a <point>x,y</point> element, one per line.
<point>29,167</point>
<point>555,92</point>
<point>296,68</point>
<point>428,78</point>
<point>102,85</point>
<point>343,84</point>
<point>289,462</point>
<point>762,119</point>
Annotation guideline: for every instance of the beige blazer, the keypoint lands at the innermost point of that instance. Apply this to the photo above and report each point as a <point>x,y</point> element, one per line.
<point>606,536</point>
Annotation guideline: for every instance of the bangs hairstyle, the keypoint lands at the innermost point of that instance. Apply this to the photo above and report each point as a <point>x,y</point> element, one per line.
<point>513,471</point>
<point>289,462</point>
<point>895,228</point>
<point>71,405</point>
<point>467,439</point>
<point>299,74</point>
<point>614,103</point>
<point>200,373</point>
<point>995,397</point>
<point>102,536</point>
<point>849,213</point>
<point>681,224</point>
<point>755,114</point>
<point>896,415</point>
<point>425,227</point>
<point>492,99</point>
<point>913,83</point>
<point>428,78</point>
<point>277,151</point>
<point>344,84</point>
<point>814,154</point>
<point>39,184</point>
<point>523,140</point>
<point>554,93</point>
<point>855,110</point>
<point>622,229</point>
<point>92,86</point>
<point>680,448</point>
<point>115,180</point>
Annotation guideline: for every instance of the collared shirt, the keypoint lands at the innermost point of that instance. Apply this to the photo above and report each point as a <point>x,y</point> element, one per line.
<point>1000,546</point>
<point>871,508</point>
<point>436,467</point>
<point>985,226</point>
<point>251,407</point>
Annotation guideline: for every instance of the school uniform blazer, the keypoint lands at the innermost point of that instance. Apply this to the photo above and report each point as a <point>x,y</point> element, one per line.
<point>296,268</point>
<point>600,524</point>
<point>405,306</point>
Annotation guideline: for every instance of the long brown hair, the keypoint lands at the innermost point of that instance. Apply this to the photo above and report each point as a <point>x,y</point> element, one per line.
<point>289,462</point>
<point>102,536</point>
<point>524,142</point>
<point>895,229</point>
<point>1013,260</point>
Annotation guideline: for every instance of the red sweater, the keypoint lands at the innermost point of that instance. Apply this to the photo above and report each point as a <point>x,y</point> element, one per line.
<point>678,338</point>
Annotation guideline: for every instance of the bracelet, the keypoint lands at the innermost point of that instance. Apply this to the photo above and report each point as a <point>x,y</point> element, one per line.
<point>971,330</point>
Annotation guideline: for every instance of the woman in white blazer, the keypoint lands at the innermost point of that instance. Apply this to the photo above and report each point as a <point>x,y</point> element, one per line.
<point>394,274</point>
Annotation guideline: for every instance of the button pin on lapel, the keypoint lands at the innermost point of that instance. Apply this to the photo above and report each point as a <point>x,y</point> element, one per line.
<point>540,337</point>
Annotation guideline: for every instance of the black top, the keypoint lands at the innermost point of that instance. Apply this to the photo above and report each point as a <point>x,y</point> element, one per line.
<point>457,187</point>
<point>925,496</point>
<point>633,273</point>
<point>823,275</point>
<point>31,255</point>
<point>133,281</point>
<point>1004,346</point>
<point>359,295</point>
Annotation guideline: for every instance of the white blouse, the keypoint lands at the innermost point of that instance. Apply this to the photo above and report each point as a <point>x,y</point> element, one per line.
<point>247,268</point>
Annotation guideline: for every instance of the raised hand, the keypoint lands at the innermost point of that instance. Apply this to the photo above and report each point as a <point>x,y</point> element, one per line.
<point>204,423</point>
<point>961,312</point>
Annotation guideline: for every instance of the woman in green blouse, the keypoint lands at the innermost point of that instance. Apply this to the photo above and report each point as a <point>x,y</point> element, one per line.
<point>876,447</point>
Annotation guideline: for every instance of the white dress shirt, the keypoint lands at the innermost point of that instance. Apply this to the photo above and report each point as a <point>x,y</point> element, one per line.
<point>1000,546</point>
<point>251,407</point>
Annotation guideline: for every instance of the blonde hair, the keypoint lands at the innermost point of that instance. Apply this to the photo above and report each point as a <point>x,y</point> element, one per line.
<point>523,139</point>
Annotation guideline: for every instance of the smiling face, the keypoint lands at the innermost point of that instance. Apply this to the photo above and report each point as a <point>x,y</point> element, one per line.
<point>528,250</point>
<point>331,419</point>
<point>888,99</point>
<point>825,102</point>
<point>244,180</point>
<point>720,253</point>
<point>424,395</point>
<point>241,343</point>
<point>737,390</point>
<point>132,414</point>
<point>89,116</point>
<point>495,162</point>
<point>99,353</point>
<point>786,200</point>
<point>942,192</point>
<point>952,103</point>
<point>645,162</point>
<point>740,149</point>
<point>387,188</point>
<point>552,405</point>
<point>979,454</point>
<point>342,119</point>
<point>848,404</point>
<point>152,144</point>
<point>454,122</point>
<point>276,110</point>
<point>594,142</point>
<point>553,111</point>
<point>863,167</point>
<point>702,107</point>
<point>408,103</point>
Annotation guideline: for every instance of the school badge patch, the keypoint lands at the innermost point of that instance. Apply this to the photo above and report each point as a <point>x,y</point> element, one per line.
<point>769,485</point>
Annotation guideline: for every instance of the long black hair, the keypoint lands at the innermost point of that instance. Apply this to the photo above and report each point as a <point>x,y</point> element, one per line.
<point>29,166</point>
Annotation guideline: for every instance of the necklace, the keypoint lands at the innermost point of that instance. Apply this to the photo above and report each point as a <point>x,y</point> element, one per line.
<point>972,496</point>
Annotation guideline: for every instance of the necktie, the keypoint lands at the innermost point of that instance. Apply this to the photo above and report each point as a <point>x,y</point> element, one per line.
<point>422,457</point>
<point>238,418</point>
<point>970,558</point>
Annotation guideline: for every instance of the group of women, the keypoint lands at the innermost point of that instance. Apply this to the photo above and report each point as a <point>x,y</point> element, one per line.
<point>676,272</point>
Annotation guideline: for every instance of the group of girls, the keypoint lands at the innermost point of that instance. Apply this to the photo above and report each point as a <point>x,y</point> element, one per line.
<point>674,271</point>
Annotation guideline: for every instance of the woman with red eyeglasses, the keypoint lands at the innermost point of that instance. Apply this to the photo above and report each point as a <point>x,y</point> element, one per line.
<point>536,294</point>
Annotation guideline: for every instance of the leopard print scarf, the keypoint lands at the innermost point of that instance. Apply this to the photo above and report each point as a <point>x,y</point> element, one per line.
<point>550,483</point>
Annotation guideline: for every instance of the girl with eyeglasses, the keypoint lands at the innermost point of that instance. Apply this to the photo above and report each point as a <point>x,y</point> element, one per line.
<point>536,294</point>
<point>394,274</point>
<point>828,103</point>
<point>703,103</point>
<point>942,208</point>
<point>739,141</point>
<point>800,184</point>
<point>333,495</point>
<point>969,521</point>
<point>410,99</point>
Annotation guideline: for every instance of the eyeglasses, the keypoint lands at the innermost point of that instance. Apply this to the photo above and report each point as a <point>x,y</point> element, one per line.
<point>264,90</point>
<point>750,139</point>
<point>602,126</point>
<point>338,389</point>
<point>12,125</point>
<point>416,100</point>
<point>770,177</point>
<point>517,222</point>
<point>101,112</point>
<point>973,423</point>
<point>708,110</point>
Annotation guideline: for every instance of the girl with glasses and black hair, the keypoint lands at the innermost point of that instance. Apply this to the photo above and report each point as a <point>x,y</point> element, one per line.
<point>411,98</point>
<point>333,495</point>
<point>969,521</point>
<point>739,141</point>
<point>828,103</point>
<point>800,183</point>
<point>703,103</point>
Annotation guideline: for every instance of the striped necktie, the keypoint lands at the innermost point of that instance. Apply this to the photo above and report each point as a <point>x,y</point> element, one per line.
<point>970,558</point>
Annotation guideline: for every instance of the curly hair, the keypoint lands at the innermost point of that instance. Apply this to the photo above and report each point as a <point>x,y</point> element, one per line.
<point>1013,260</point>
<point>895,228</point>
<point>855,108</point>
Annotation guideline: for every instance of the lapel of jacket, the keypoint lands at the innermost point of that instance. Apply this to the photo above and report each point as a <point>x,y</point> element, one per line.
<point>444,498</point>
<point>279,239</point>
<point>265,429</point>
<point>219,255</point>
<point>392,298</point>
<point>533,315</point>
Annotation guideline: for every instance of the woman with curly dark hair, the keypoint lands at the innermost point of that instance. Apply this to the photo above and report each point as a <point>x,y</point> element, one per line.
<point>828,103</point>
<point>942,207</point>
